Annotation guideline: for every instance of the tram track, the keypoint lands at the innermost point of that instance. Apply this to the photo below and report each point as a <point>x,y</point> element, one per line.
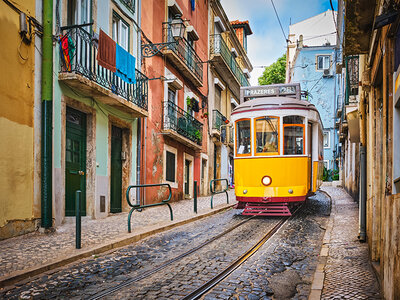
<point>145,274</point>
<point>202,290</point>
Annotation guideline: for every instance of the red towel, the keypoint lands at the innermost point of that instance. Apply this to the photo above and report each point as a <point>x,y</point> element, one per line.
<point>106,53</point>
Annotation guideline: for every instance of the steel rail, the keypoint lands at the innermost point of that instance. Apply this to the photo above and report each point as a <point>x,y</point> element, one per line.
<point>145,274</point>
<point>199,292</point>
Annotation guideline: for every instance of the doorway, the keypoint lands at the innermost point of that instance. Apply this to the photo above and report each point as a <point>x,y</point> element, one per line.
<point>75,160</point>
<point>116,170</point>
<point>187,177</point>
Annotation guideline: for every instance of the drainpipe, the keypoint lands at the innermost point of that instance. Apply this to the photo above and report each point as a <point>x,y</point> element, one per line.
<point>47,113</point>
<point>138,158</point>
<point>363,174</point>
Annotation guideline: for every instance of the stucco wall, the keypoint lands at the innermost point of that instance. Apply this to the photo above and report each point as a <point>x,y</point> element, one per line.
<point>17,88</point>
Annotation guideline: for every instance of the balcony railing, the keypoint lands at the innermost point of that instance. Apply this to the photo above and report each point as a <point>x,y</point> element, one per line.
<point>352,78</point>
<point>130,4</point>
<point>184,51</point>
<point>180,121</point>
<point>80,57</point>
<point>218,120</point>
<point>218,46</point>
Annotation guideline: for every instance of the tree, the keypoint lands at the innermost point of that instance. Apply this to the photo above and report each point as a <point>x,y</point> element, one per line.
<point>274,73</point>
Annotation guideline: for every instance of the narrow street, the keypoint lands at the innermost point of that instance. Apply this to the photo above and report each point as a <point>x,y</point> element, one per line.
<point>283,268</point>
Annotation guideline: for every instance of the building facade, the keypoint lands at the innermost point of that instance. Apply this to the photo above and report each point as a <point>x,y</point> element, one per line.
<point>96,112</point>
<point>311,61</point>
<point>229,70</point>
<point>370,129</point>
<point>20,117</point>
<point>175,133</point>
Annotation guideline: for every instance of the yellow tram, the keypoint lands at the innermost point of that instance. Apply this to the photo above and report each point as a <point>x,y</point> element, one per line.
<point>278,157</point>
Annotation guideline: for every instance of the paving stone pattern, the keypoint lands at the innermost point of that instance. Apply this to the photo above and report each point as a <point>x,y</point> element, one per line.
<point>192,271</point>
<point>348,272</point>
<point>36,249</point>
<point>284,267</point>
<point>87,277</point>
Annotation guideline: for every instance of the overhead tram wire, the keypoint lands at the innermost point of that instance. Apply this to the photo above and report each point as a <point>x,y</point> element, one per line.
<point>280,24</point>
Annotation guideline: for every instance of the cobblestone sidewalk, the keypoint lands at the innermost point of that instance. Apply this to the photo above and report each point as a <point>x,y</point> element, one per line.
<point>36,252</point>
<point>344,270</point>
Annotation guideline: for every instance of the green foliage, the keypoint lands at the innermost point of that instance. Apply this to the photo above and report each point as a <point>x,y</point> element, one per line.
<point>330,175</point>
<point>275,73</point>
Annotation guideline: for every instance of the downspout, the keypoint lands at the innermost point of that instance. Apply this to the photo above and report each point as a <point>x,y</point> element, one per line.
<point>47,113</point>
<point>363,162</point>
<point>139,120</point>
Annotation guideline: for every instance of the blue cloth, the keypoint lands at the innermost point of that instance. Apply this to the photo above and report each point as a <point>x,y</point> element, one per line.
<point>193,2</point>
<point>125,64</point>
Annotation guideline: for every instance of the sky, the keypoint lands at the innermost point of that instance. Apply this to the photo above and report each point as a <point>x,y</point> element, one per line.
<point>267,43</point>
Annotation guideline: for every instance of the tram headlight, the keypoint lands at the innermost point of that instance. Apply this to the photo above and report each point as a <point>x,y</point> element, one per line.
<point>266,180</point>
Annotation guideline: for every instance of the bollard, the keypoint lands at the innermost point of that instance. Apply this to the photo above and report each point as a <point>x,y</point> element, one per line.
<point>78,219</point>
<point>195,197</point>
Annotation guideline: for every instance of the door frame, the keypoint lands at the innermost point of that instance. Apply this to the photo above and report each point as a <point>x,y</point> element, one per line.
<point>190,158</point>
<point>59,176</point>
<point>126,164</point>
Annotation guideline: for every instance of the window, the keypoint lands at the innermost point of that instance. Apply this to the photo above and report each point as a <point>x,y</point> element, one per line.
<point>170,168</point>
<point>327,135</point>
<point>243,145</point>
<point>293,131</point>
<point>120,31</point>
<point>323,62</point>
<point>267,135</point>
<point>78,12</point>
<point>217,102</point>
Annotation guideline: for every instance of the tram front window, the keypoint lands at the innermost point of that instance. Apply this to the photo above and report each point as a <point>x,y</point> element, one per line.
<point>243,139</point>
<point>293,140</point>
<point>267,135</point>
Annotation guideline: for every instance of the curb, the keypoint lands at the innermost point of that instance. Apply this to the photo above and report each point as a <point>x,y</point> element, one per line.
<point>317,283</point>
<point>24,274</point>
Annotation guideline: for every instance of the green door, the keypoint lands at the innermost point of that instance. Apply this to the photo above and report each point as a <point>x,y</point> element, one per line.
<point>75,160</point>
<point>116,170</point>
<point>187,170</point>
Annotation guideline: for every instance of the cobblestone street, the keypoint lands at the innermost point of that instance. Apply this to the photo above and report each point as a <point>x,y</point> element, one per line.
<point>283,268</point>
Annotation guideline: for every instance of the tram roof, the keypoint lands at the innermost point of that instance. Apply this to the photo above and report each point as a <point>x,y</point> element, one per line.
<point>274,103</point>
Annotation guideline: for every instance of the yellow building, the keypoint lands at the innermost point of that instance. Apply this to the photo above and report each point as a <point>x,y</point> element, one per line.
<point>19,118</point>
<point>229,70</point>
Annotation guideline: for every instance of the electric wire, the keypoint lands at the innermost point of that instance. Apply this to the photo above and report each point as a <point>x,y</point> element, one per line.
<point>280,24</point>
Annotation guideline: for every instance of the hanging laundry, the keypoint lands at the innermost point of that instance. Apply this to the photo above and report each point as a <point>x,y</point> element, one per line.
<point>193,4</point>
<point>67,47</point>
<point>106,52</point>
<point>125,64</point>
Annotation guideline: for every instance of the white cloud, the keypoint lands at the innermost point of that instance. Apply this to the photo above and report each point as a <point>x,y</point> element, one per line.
<point>267,43</point>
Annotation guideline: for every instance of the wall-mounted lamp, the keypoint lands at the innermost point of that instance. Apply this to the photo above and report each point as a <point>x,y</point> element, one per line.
<point>176,29</point>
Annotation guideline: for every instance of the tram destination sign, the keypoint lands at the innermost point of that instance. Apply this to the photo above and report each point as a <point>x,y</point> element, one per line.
<point>291,90</point>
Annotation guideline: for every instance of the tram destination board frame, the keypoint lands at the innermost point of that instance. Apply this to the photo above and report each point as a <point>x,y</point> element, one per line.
<point>291,90</point>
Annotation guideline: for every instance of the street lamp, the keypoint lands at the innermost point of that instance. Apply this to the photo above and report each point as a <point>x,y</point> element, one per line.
<point>177,30</point>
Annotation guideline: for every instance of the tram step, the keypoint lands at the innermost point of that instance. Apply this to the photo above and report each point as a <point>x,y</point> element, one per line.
<point>271,210</point>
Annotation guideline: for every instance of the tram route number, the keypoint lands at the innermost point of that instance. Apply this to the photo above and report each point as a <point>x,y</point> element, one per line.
<point>283,90</point>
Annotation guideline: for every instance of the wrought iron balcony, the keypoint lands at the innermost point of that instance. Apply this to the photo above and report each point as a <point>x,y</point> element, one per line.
<point>218,119</point>
<point>79,68</point>
<point>183,56</point>
<point>352,79</point>
<point>182,124</point>
<point>130,4</point>
<point>219,47</point>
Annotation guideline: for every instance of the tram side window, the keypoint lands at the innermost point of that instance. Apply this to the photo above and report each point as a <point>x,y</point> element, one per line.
<point>243,145</point>
<point>293,139</point>
<point>267,135</point>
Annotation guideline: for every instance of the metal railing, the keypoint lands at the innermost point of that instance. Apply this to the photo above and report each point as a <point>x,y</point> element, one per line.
<point>78,54</point>
<point>218,119</point>
<point>218,46</point>
<point>214,192</point>
<point>352,78</point>
<point>139,207</point>
<point>184,51</point>
<point>130,4</point>
<point>180,121</point>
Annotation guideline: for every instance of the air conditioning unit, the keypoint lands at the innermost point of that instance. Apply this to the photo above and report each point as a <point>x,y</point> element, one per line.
<point>328,73</point>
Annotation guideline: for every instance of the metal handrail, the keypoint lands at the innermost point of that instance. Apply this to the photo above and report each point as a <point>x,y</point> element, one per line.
<point>139,207</point>
<point>78,55</point>
<point>218,46</point>
<point>213,192</point>
<point>184,50</point>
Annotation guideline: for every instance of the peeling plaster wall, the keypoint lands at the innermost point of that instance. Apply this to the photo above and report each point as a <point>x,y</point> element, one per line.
<point>17,90</point>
